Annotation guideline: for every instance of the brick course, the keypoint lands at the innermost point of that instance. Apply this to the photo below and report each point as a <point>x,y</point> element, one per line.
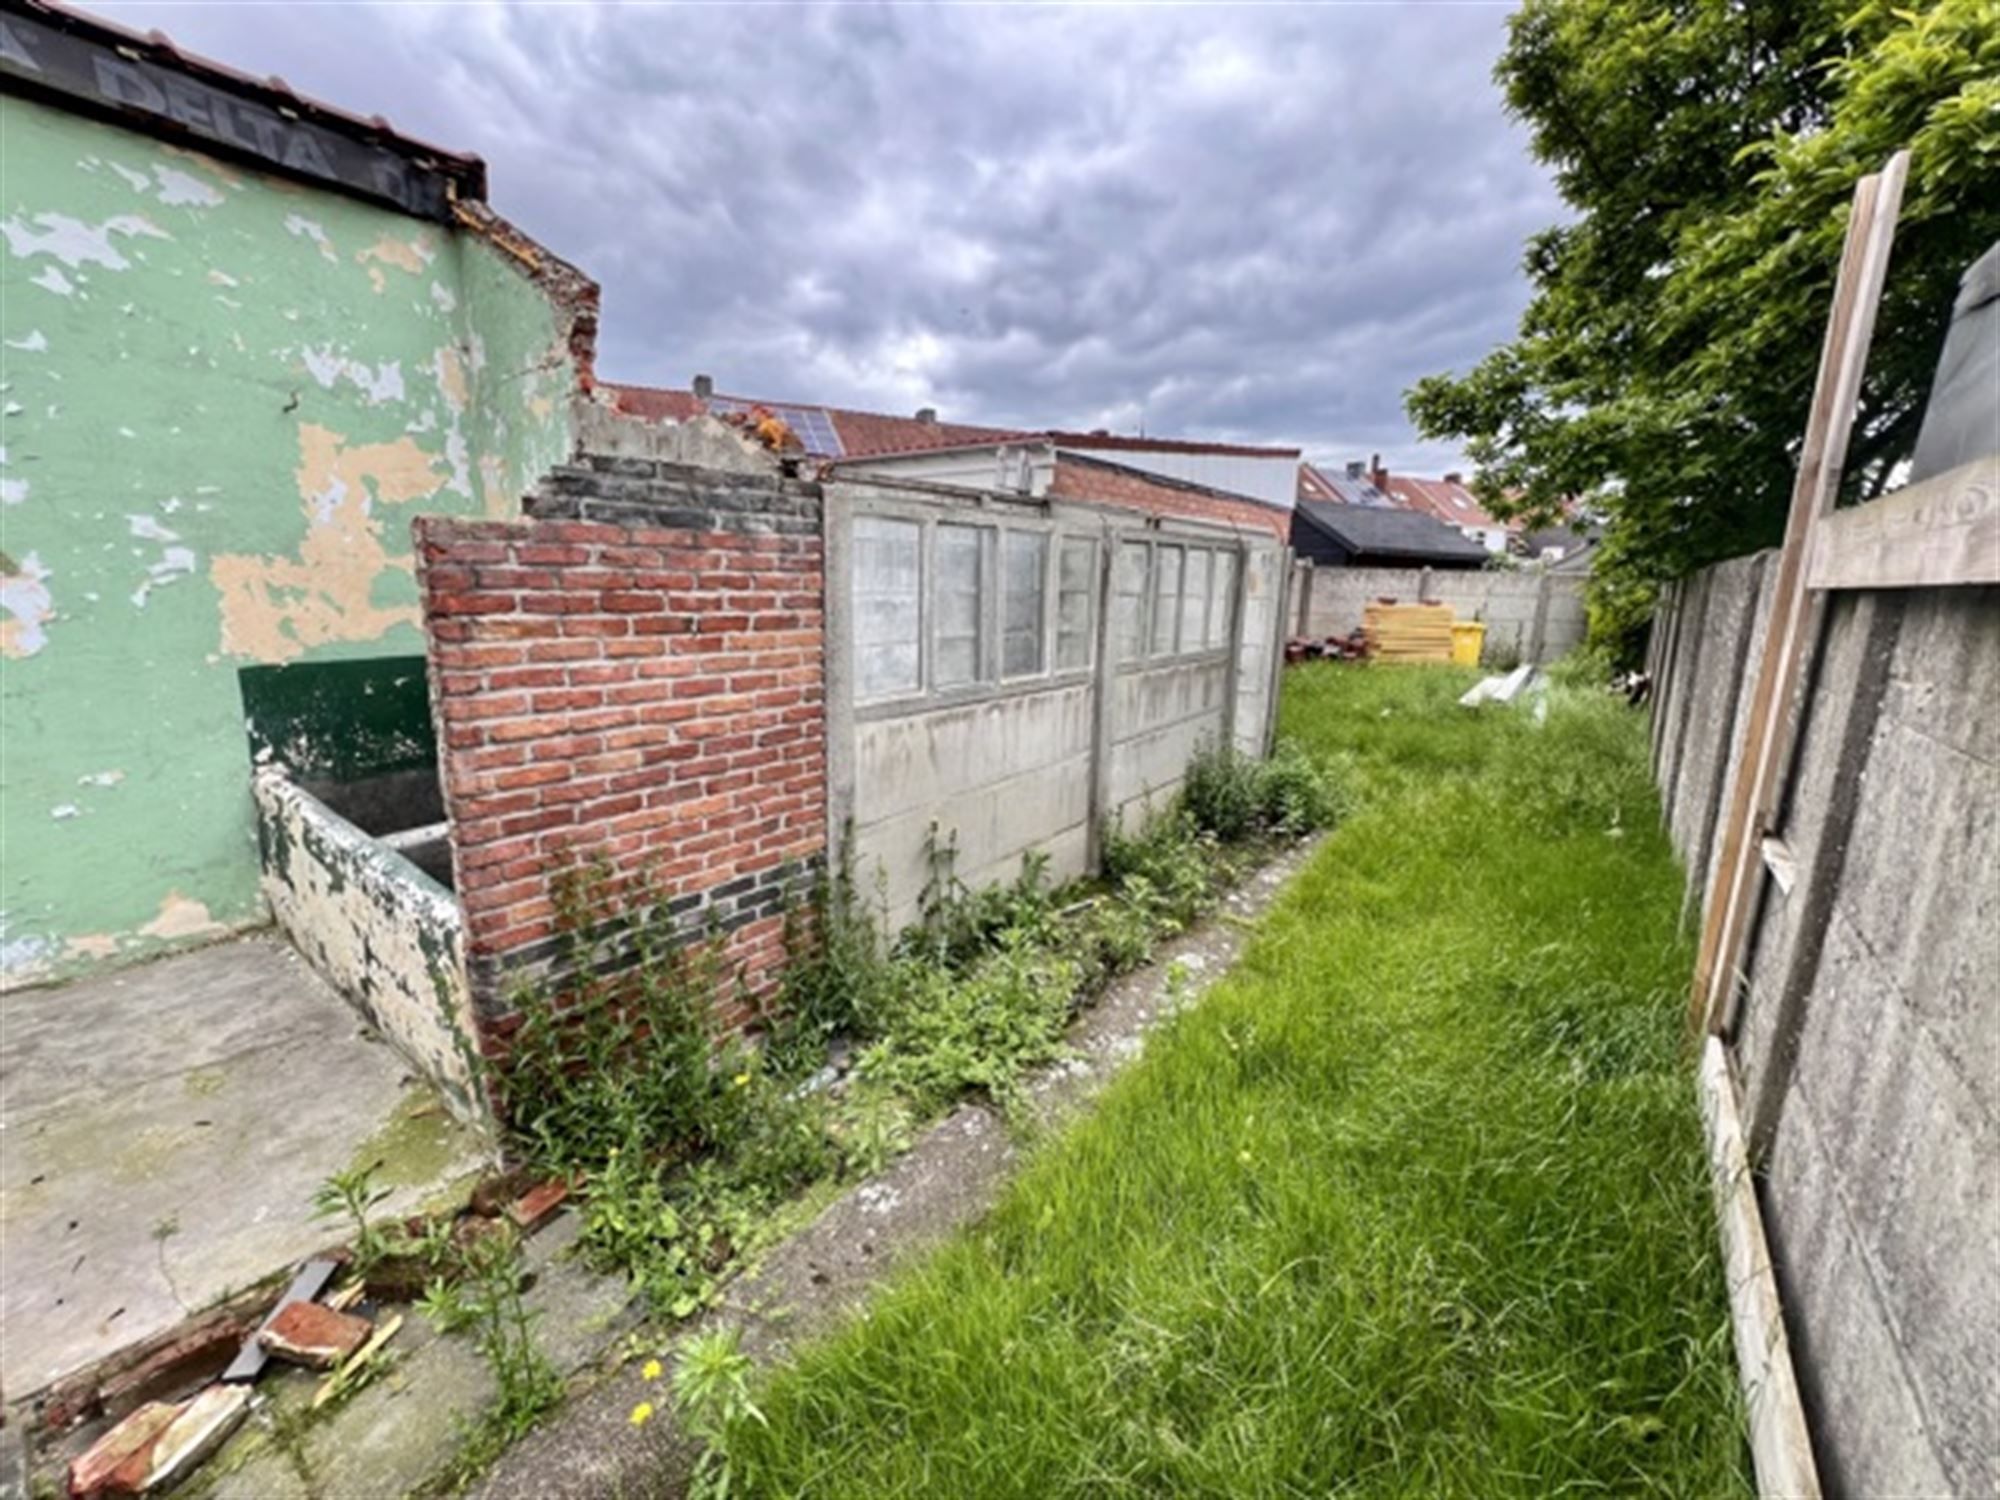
<point>633,673</point>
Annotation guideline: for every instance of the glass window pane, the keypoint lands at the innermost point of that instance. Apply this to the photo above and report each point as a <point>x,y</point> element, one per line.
<point>1128,602</point>
<point>1194,601</point>
<point>1223,609</point>
<point>1166,598</point>
<point>958,607</point>
<point>1076,586</point>
<point>1023,565</point>
<point>886,612</point>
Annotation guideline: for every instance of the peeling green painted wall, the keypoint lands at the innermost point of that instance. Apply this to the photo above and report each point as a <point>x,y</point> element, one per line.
<point>226,395</point>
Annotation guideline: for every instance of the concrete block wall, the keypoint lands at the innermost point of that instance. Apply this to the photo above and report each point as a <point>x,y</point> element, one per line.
<point>1002,768</point>
<point>1868,1037</point>
<point>1530,614</point>
<point>381,931</point>
<point>636,674</point>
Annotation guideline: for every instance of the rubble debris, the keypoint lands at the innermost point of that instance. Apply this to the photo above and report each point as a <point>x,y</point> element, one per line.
<point>538,1205</point>
<point>176,1367</point>
<point>1498,689</point>
<point>107,1466</point>
<point>313,1335</point>
<point>200,1427</point>
<point>491,1197</point>
<point>346,1374</point>
<point>252,1357</point>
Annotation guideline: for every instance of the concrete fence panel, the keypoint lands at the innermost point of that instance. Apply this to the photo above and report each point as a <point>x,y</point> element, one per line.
<point>1530,614</point>
<point>1869,1031</point>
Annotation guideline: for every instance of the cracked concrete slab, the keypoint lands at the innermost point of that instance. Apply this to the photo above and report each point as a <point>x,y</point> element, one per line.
<point>162,1131</point>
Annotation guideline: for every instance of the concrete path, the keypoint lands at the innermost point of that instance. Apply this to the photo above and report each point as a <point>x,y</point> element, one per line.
<point>162,1130</point>
<point>805,1286</point>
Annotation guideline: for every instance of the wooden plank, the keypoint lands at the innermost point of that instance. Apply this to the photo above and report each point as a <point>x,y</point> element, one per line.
<point>1780,1446</point>
<point>1767,734</point>
<point>1940,533</point>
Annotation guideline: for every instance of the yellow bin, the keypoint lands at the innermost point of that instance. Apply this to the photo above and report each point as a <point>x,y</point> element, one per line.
<point>1468,637</point>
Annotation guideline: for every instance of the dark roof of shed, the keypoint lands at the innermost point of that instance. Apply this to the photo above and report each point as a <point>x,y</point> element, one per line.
<point>1365,529</point>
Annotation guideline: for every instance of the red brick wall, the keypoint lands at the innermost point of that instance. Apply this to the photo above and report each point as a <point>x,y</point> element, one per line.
<point>642,681</point>
<point>1114,484</point>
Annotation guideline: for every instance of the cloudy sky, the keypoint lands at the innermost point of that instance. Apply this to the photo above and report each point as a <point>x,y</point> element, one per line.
<point>1257,224</point>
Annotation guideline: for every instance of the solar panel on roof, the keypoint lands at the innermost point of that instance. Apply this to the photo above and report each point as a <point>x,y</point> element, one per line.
<point>812,425</point>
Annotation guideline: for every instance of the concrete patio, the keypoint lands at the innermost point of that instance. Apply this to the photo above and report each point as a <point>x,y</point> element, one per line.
<point>162,1132</point>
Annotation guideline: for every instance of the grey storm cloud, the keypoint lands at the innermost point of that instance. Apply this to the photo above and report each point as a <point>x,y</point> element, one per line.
<point>1257,224</point>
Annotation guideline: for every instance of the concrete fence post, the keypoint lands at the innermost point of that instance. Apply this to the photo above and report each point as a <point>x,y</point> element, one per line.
<point>1538,632</point>
<point>1424,586</point>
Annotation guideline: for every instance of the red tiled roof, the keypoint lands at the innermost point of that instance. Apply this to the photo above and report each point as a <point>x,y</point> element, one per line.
<point>1444,498</point>
<point>1106,440</point>
<point>862,434</point>
<point>1313,485</point>
<point>869,434</point>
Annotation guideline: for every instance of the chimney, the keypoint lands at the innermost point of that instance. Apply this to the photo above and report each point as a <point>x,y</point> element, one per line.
<point>1354,468</point>
<point>703,387</point>
<point>1377,475</point>
<point>927,415</point>
<point>1455,478</point>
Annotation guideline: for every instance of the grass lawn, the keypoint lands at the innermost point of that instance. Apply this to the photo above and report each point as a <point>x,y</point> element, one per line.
<point>1413,1203</point>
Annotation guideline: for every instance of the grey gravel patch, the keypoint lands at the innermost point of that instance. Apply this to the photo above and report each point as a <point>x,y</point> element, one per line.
<point>807,1285</point>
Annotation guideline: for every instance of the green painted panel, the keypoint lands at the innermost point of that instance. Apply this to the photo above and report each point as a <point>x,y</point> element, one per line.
<point>340,719</point>
<point>227,395</point>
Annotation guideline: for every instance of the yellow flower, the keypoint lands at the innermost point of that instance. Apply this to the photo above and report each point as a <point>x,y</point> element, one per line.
<point>642,1414</point>
<point>1244,1157</point>
<point>650,1370</point>
<point>741,1080</point>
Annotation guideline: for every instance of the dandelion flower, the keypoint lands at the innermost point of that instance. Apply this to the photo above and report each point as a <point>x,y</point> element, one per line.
<point>650,1370</point>
<point>642,1414</point>
<point>742,1079</point>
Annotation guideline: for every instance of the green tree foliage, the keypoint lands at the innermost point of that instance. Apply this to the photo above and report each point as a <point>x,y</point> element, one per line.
<point>1709,150</point>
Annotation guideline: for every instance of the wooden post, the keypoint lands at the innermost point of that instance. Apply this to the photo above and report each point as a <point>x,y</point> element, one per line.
<point>1765,743</point>
<point>1780,1447</point>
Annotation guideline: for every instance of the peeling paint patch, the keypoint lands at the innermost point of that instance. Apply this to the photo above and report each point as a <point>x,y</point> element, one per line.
<point>65,811</point>
<point>35,342</point>
<point>181,917</point>
<point>180,189</point>
<point>13,491</point>
<point>276,608</point>
<point>444,297</point>
<point>101,778</point>
<point>411,256</point>
<point>174,563</point>
<point>91,945</point>
<point>25,958</point>
<point>299,224</point>
<point>383,383</point>
<point>150,529</point>
<point>449,368</point>
<point>222,278</point>
<point>28,607</point>
<point>52,279</point>
<point>493,492</point>
<point>76,243</point>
